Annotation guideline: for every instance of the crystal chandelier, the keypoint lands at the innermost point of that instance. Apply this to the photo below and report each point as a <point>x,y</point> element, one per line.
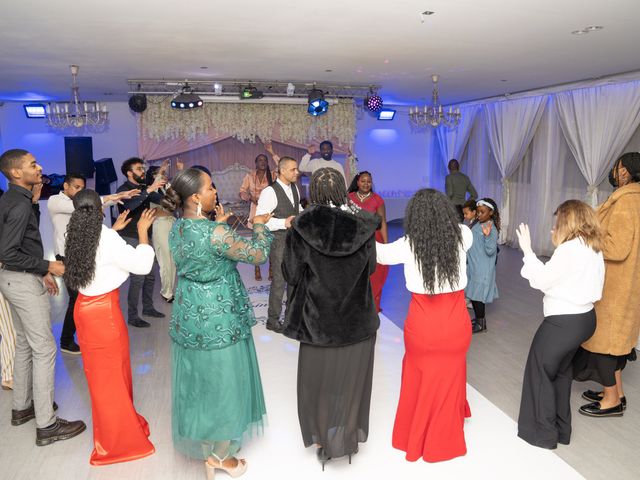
<point>434,115</point>
<point>74,113</point>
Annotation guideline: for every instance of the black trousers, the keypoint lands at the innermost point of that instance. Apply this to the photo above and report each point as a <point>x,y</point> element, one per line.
<point>137,283</point>
<point>545,410</point>
<point>69,325</point>
<point>460,212</point>
<point>278,283</point>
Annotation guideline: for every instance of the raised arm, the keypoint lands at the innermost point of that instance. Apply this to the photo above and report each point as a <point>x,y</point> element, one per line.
<point>305,161</point>
<point>392,253</point>
<point>234,247</point>
<point>543,276</point>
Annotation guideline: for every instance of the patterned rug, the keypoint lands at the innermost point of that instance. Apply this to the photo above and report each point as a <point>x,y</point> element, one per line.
<point>259,296</point>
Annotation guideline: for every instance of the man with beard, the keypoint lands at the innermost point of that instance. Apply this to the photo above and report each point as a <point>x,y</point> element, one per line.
<point>133,169</point>
<point>326,152</point>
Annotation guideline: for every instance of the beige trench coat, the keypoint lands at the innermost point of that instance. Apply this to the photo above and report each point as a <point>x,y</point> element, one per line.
<point>618,312</point>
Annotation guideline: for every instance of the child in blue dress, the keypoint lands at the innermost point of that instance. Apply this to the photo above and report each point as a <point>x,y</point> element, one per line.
<point>481,261</point>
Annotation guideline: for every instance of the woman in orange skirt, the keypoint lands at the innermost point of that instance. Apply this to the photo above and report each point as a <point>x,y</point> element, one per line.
<point>97,262</point>
<point>433,400</point>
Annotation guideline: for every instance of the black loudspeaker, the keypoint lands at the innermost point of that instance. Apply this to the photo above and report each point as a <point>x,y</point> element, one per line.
<point>138,103</point>
<point>105,171</point>
<point>105,175</point>
<point>78,153</point>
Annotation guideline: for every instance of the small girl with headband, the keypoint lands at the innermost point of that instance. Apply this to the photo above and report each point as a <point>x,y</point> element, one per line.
<point>481,261</point>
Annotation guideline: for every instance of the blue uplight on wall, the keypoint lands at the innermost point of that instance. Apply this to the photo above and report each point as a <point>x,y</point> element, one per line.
<point>35,110</point>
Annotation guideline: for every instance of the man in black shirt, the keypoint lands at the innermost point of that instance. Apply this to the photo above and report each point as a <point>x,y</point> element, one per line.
<point>133,169</point>
<point>25,278</point>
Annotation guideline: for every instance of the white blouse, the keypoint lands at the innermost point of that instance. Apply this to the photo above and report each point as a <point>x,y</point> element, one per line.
<point>115,259</point>
<point>400,252</point>
<point>572,280</point>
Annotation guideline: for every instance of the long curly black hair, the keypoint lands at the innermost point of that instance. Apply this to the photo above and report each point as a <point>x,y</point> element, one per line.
<point>81,242</point>
<point>431,224</point>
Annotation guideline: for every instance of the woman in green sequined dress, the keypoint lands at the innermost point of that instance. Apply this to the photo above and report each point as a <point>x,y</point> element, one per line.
<point>217,392</point>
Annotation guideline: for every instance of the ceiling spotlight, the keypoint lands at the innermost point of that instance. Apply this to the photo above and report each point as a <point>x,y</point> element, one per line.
<point>250,92</point>
<point>317,104</point>
<point>186,99</point>
<point>594,28</point>
<point>291,89</point>
<point>580,32</point>
<point>373,102</point>
<point>217,89</point>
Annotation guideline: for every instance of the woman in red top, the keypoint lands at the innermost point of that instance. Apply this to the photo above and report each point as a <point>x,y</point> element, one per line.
<point>362,194</point>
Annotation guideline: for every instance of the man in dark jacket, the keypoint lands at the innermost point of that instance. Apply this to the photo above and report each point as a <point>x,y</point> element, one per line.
<point>133,169</point>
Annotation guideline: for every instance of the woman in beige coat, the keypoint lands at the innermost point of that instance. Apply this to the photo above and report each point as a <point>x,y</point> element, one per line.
<point>605,354</point>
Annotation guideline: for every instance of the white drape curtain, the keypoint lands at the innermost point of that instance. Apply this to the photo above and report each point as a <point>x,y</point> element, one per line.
<point>452,142</point>
<point>478,163</point>
<point>546,171</point>
<point>546,177</point>
<point>510,129</point>
<point>597,124</point>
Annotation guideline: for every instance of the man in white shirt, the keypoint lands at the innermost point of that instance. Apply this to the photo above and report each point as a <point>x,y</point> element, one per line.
<point>60,209</point>
<point>307,165</point>
<point>282,199</point>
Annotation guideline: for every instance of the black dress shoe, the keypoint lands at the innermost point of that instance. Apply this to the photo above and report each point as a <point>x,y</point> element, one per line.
<point>153,313</point>
<point>594,410</point>
<point>71,348</point>
<point>138,322</point>
<point>18,417</point>
<point>60,430</point>
<point>479,325</point>
<point>597,396</point>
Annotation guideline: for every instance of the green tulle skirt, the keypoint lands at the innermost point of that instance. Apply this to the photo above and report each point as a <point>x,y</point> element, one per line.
<point>217,399</point>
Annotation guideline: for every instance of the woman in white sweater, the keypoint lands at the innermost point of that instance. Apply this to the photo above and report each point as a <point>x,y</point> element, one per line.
<point>572,280</point>
<point>97,262</point>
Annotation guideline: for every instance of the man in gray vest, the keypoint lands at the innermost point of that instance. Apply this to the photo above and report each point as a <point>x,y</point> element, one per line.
<point>282,199</point>
<point>457,184</point>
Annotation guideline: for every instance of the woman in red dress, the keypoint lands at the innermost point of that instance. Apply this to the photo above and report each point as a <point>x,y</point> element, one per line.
<point>362,194</point>
<point>437,333</point>
<point>97,262</point>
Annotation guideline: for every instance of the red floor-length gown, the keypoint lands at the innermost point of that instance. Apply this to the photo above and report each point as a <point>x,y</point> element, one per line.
<point>433,397</point>
<point>377,278</point>
<point>120,434</point>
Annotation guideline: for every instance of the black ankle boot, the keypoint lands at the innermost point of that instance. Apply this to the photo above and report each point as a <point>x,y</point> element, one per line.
<point>479,325</point>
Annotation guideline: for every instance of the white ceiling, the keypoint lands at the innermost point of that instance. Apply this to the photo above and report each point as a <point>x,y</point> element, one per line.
<point>472,44</point>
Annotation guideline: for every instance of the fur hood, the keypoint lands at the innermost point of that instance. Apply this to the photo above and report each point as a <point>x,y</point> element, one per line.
<point>336,232</point>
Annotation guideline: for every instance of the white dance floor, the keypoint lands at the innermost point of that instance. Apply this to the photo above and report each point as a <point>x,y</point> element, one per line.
<point>494,450</point>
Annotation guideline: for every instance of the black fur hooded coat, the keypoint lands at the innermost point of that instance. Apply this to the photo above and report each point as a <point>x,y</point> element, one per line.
<point>328,258</point>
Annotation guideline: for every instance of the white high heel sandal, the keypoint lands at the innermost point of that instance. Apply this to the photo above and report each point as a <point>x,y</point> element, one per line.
<point>234,472</point>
